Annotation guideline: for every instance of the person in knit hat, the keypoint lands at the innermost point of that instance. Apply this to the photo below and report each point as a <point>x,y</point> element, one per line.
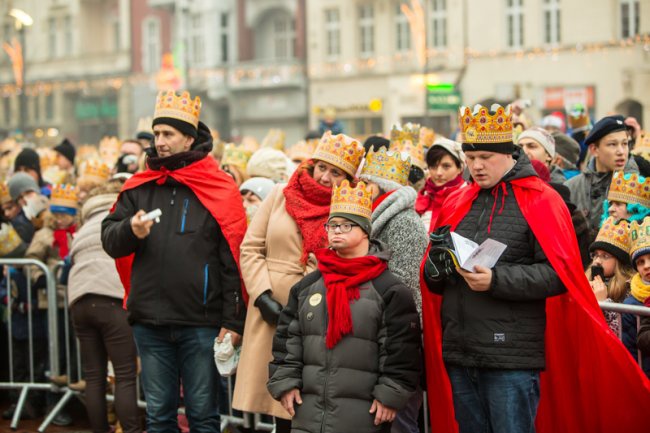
<point>277,251</point>
<point>539,145</point>
<point>253,192</point>
<point>269,163</point>
<point>395,223</point>
<point>346,354</point>
<point>13,212</point>
<point>29,162</point>
<point>65,155</point>
<point>567,151</point>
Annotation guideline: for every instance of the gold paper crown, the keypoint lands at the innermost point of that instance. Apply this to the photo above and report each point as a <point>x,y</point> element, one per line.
<point>615,233</point>
<point>642,145</point>
<point>340,150</point>
<point>351,200</point>
<point>236,155</point>
<point>406,140</point>
<point>427,137</point>
<point>387,165</point>
<point>47,157</point>
<point>86,152</point>
<point>302,150</point>
<point>481,127</point>
<point>96,171</point>
<point>639,235</point>
<point>110,144</point>
<point>9,240</point>
<point>4,194</point>
<point>578,118</point>
<point>169,104</point>
<point>274,139</point>
<point>629,188</point>
<point>64,196</point>
<point>144,125</point>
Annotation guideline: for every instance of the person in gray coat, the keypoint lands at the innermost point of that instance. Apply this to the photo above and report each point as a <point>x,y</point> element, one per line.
<point>346,353</point>
<point>608,144</point>
<point>396,223</point>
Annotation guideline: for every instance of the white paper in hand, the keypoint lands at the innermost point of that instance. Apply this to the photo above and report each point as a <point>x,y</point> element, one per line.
<point>226,356</point>
<point>470,254</point>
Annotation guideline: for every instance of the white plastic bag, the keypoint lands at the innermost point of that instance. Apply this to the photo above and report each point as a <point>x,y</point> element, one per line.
<point>226,356</point>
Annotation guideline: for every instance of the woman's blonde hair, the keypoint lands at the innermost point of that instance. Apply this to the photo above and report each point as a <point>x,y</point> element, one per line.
<point>619,284</point>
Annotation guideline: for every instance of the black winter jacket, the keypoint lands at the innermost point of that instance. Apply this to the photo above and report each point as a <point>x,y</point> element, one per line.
<point>184,272</point>
<point>504,326</point>
<point>380,359</point>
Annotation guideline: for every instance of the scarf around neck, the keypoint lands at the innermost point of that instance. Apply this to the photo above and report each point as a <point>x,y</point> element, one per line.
<point>342,280</point>
<point>640,290</point>
<point>432,196</point>
<point>61,240</point>
<point>308,203</point>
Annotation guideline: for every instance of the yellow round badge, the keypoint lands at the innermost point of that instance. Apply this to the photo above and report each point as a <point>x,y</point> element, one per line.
<point>315,299</point>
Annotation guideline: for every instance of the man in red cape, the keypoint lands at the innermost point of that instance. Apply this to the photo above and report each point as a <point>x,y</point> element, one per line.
<point>589,382</point>
<point>182,273</point>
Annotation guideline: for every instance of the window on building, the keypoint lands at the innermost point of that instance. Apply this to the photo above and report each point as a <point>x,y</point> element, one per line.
<point>52,37</point>
<point>151,45</point>
<point>402,29</point>
<point>49,106</point>
<point>225,37</point>
<point>117,43</point>
<point>197,39</point>
<point>67,36</point>
<point>284,37</point>
<point>439,23</point>
<point>551,12</point>
<point>366,31</point>
<point>630,14</point>
<point>332,34</point>
<point>515,23</point>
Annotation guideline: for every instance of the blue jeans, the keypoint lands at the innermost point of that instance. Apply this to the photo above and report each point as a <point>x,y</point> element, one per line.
<point>171,355</point>
<point>491,400</point>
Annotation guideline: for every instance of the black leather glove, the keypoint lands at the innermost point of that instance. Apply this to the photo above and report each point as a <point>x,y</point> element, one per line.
<point>269,308</point>
<point>440,264</point>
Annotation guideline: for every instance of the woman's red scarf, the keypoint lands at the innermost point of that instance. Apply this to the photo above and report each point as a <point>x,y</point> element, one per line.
<point>342,279</point>
<point>432,197</point>
<point>61,240</point>
<point>308,203</point>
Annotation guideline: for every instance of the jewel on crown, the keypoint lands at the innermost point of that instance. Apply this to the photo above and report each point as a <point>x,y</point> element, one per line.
<point>183,107</point>
<point>355,200</point>
<point>616,233</point>
<point>387,165</point>
<point>64,195</point>
<point>482,126</point>
<point>629,188</point>
<point>341,151</point>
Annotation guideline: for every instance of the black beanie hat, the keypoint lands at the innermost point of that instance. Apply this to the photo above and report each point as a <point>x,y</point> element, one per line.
<point>66,149</point>
<point>28,158</point>
<point>375,142</point>
<point>184,127</point>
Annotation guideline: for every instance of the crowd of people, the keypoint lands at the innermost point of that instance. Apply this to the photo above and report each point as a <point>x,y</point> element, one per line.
<point>332,269</point>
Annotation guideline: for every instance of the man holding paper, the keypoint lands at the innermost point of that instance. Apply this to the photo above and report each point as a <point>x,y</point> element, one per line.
<point>492,332</point>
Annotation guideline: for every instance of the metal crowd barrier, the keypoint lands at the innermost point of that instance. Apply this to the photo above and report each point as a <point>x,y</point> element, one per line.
<point>620,309</point>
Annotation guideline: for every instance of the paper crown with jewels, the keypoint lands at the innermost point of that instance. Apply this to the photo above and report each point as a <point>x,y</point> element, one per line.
<point>302,150</point>
<point>144,125</point>
<point>639,238</point>
<point>387,165</point>
<point>487,130</point>
<point>614,233</point>
<point>10,241</point>
<point>629,188</point>
<point>578,118</point>
<point>341,151</point>
<point>642,145</point>
<point>274,139</point>
<point>5,197</point>
<point>349,200</point>
<point>427,137</point>
<point>236,155</point>
<point>183,107</point>
<point>64,198</point>
<point>406,140</point>
<point>95,171</point>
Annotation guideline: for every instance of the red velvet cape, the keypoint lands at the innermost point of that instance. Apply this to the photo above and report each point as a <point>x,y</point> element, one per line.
<point>591,384</point>
<point>216,191</point>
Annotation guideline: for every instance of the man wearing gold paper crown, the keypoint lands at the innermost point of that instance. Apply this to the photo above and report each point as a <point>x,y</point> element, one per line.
<point>347,347</point>
<point>181,275</point>
<point>505,346</point>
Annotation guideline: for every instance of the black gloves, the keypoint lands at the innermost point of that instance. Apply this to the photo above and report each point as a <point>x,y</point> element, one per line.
<point>269,308</point>
<point>440,264</point>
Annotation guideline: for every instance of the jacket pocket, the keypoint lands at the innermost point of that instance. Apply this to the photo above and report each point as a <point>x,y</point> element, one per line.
<point>206,273</point>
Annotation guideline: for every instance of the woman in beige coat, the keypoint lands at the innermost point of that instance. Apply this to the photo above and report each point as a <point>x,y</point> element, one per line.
<point>277,253</point>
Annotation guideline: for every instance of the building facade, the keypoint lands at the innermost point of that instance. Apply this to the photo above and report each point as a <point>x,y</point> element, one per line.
<point>387,61</point>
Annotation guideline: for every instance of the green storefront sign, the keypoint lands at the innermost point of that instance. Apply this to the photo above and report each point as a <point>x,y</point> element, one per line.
<point>443,97</point>
<point>96,109</point>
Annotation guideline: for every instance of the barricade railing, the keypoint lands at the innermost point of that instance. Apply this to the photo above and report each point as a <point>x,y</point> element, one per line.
<point>620,309</point>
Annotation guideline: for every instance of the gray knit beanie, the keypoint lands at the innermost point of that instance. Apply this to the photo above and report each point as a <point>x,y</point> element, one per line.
<point>20,183</point>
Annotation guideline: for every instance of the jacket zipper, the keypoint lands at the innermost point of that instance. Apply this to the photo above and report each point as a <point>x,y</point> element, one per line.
<point>205,284</point>
<point>186,203</point>
<point>327,375</point>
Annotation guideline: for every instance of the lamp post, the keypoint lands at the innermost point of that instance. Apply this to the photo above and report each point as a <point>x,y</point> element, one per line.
<point>22,20</point>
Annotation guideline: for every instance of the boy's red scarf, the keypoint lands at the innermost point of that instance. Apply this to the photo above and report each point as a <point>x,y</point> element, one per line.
<point>431,197</point>
<point>591,384</point>
<point>216,191</point>
<point>308,203</point>
<point>342,280</point>
<point>61,240</point>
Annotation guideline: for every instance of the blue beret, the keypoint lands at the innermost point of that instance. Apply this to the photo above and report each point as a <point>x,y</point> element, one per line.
<point>605,126</point>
